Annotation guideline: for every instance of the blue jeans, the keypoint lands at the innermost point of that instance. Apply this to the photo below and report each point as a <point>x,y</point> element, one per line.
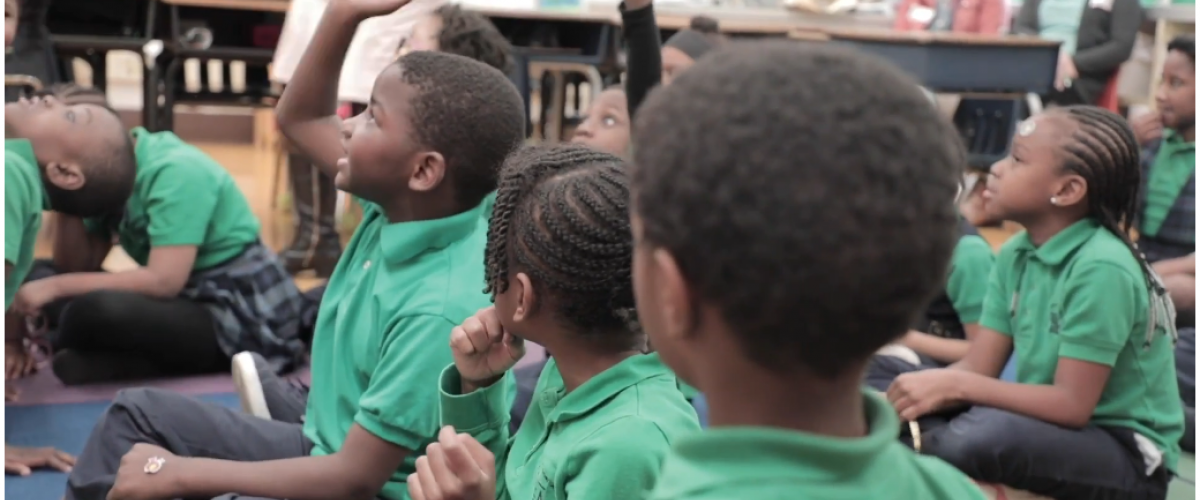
<point>1003,447</point>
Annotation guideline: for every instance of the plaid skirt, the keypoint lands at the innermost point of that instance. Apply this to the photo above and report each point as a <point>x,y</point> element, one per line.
<point>255,304</point>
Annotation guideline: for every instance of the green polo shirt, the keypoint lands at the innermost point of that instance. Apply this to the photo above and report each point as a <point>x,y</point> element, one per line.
<point>1081,295</point>
<point>24,201</point>
<point>749,463</point>
<point>970,267</point>
<point>383,331</point>
<point>1173,166</point>
<point>605,440</point>
<point>182,197</point>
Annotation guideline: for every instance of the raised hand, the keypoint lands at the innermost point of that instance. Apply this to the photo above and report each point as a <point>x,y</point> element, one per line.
<point>483,350</point>
<point>372,8</point>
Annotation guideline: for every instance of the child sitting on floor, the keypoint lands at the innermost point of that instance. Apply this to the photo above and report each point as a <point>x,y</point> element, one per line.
<point>206,287</point>
<point>91,173</point>
<point>1095,412</point>
<point>743,300</point>
<point>1166,217</point>
<point>606,127</point>
<point>559,256</point>
<point>949,323</point>
<point>422,159</point>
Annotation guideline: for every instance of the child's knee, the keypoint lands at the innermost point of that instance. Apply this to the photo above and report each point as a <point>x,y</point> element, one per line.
<point>976,444</point>
<point>97,310</point>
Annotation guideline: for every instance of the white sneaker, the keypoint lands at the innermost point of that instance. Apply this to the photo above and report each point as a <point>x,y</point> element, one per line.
<point>249,386</point>
<point>898,351</point>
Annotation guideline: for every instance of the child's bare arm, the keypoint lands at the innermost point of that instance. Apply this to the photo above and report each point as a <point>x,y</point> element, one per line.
<point>164,275</point>
<point>307,111</point>
<point>358,471</point>
<point>75,249</point>
<point>939,348</point>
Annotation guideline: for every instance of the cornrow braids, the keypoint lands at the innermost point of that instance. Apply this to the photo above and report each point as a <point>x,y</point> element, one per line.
<point>562,216</point>
<point>1105,152</point>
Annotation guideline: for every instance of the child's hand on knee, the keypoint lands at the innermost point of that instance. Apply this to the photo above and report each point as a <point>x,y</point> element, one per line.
<point>456,467</point>
<point>34,296</point>
<point>916,394</point>
<point>147,472</point>
<point>483,350</point>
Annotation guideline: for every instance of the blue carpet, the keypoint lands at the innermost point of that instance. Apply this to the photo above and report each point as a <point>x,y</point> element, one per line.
<point>63,426</point>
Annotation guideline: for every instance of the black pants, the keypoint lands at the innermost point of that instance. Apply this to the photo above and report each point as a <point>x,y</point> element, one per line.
<point>997,446</point>
<point>184,426</point>
<point>111,335</point>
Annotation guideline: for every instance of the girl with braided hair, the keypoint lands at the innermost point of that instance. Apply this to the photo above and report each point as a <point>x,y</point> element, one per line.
<point>558,260</point>
<point>1095,411</point>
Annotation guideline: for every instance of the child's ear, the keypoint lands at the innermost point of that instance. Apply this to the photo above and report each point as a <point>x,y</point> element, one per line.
<point>526,298</point>
<point>66,176</point>
<point>1071,190</point>
<point>428,173</point>
<point>678,309</point>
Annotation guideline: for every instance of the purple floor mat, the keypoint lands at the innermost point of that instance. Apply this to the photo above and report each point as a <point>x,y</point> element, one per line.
<point>43,388</point>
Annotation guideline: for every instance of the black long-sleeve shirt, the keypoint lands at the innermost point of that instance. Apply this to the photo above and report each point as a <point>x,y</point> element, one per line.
<point>643,47</point>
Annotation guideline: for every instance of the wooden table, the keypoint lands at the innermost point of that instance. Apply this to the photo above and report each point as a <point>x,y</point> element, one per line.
<point>258,5</point>
<point>996,72</point>
<point>737,21</point>
<point>955,62</point>
<point>732,21</point>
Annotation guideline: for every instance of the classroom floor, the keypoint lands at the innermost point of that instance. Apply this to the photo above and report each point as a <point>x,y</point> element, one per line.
<point>49,414</point>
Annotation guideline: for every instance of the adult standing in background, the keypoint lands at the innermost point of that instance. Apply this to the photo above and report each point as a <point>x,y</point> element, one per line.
<point>1097,37</point>
<point>316,245</point>
<point>31,53</point>
<point>985,17</point>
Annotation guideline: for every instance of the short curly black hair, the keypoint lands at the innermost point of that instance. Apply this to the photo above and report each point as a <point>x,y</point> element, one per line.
<point>562,216</point>
<point>473,35</point>
<point>111,173</point>
<point>467,111</point>
<point>806,192</point>
<point>1184,44</point>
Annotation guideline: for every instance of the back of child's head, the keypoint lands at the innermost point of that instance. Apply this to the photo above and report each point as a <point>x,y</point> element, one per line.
<point>70,124</point>
<point>471,34</point>
<point>562,218</point>
<point>468,112</point>
<point>805,195</point>
<point>702,35</point>
<point>1103,150</point>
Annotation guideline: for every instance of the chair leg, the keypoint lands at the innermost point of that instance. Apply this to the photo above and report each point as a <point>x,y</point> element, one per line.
<point>557,107</point>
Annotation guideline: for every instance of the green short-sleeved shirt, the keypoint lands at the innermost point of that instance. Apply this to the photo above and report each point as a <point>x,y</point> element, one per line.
<point>605,440</point>
<point>24,201</point>
<point>383,331</point>
<point>758,463</point>
<point>1082,295</point>
<point>182,197</point>
<point>971,266</point>
<point>1173,166</point>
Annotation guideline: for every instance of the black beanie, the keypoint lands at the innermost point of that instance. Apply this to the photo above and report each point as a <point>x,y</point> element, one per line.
<point>690,42</point>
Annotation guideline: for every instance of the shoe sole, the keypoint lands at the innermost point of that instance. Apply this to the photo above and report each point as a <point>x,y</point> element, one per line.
<point>249,386</point>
